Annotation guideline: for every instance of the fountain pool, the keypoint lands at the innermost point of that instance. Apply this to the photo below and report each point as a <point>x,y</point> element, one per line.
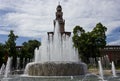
<point>87,77</point>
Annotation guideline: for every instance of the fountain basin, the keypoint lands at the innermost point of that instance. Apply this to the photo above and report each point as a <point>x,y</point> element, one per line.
<point>56,69</point>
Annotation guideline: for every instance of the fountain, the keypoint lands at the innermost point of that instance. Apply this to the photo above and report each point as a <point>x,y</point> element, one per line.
<point>100,70</point>
<point>2,69</point>
<point>93,76</point>
<point>7,70</point>
<point>113,70</point>
<point>56,56</point>
<point>101,76</point>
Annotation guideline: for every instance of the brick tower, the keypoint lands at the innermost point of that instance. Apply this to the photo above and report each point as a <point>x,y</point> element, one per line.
<point>61,22</point>
<point>60,19</point>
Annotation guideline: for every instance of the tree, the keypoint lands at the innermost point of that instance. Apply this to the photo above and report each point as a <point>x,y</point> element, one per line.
<point>89,43</point>
<point>11,47</point>
<point>27,50</point>
<point>99,34</point>
<point>2,54</point>
<point>78,32</point>
<point>30,46</point>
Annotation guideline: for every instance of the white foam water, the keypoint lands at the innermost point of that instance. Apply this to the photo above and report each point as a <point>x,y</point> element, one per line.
<point>57,49</point>
<point>113,70</point>
<point>7,69</point>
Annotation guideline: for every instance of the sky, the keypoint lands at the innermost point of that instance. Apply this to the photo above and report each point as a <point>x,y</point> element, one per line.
<point>32,19</point>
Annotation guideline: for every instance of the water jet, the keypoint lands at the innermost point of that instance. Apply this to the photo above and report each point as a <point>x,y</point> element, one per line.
<point>113,70</point>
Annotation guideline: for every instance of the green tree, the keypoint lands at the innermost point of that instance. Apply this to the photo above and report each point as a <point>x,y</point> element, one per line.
<point>78,32</point>
<point>2,54</point>
<point>11,47</point>
<point>98,34</point>
<point>27,51</point>
<point>89,43</point>
<point>30,46</point>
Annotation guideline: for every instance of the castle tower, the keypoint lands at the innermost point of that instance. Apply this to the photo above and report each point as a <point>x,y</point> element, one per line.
<point>61,22</point>
<point>59,18</point>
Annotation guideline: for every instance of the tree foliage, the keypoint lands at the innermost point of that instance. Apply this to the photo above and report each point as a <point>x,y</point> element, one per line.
<point>11,47</point>
<point>2,53</point>
<point>89,43</point>
<point>11,44</point>
<point>29,47</point>
<point>27,51</point>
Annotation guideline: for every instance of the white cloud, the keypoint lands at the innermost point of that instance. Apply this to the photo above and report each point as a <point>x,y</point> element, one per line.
<point>30,18</point>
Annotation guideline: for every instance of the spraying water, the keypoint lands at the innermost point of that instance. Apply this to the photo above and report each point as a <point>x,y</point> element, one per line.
<point>100,70</point>
<point>2,69</point>
<point>113,70</point>
<point>57,49</point>
<point>7,69</point>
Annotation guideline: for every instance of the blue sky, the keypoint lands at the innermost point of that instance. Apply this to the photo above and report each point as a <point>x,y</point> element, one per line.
<point>19,40</point>
<point>31,19</point>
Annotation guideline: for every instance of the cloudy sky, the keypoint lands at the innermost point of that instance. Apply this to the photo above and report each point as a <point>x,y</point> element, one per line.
<point>31,19</point>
